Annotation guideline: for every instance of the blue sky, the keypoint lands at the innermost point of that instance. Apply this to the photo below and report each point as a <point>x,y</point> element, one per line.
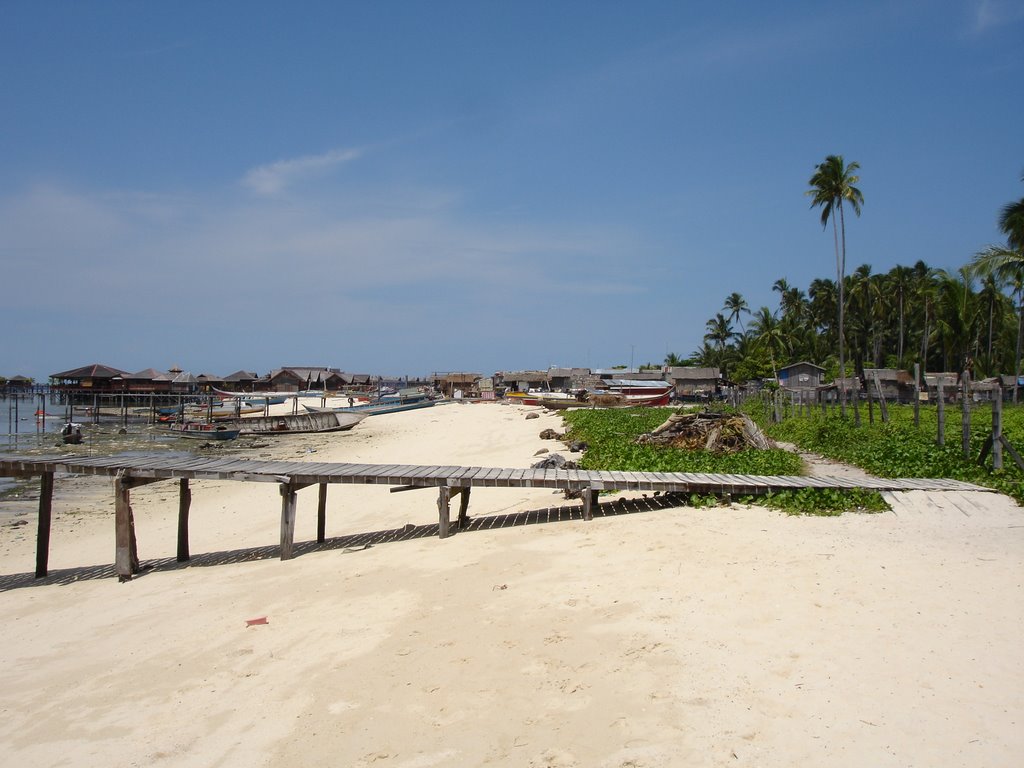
<point>401,188</point>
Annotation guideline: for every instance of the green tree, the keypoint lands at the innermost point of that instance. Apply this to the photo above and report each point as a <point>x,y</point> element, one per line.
<point>1007,263</point>
<point>736,306</point>
<point>833,184</point>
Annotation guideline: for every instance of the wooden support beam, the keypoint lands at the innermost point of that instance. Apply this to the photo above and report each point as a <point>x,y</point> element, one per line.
<point>184,505</point>
<point>289,500</point>
<point>321,514</point>
<point>126,556</point>
<point>444,498</point>
<point>464,507</point>
<point>43,534</point>
<point>589,502</point>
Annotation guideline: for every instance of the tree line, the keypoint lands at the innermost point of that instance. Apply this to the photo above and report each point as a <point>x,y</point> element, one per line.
<point>942,319</point>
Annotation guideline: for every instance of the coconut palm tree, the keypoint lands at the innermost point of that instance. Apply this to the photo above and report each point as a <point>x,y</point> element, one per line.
<point>769,334</point>
<point>833,184</point>
<point>672,360</point>
<point>899,282</point>
<point>1008,263</point>
<point>736,305</point>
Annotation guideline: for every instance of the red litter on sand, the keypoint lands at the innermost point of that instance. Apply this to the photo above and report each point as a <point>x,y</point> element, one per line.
<point>254,622</point>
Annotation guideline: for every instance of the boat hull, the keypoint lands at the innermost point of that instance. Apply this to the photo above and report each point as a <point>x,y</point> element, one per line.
<point>295,424</point>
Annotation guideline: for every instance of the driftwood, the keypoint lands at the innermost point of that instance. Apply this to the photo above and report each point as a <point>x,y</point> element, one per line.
<point>709,431</point>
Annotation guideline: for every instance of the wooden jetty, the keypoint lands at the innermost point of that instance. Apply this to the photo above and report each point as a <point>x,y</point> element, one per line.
<point>450,481</point>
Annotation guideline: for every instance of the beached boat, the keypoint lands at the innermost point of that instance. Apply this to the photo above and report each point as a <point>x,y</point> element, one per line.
<point>612,399</point>
<point>199,431</point>
<point>558,400</point>
<point>71,433</point>
<point>298,423</point>
<point>372,409</point>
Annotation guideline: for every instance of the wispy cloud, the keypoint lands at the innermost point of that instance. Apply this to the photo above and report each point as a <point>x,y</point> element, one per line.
<point>991,14</point>
<point>275,177</point>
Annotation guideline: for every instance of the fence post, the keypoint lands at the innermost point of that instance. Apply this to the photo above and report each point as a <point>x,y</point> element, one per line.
<point>965,409</point>
<point>940,438</point>
<point>997,433</point>
<point>917,394</point>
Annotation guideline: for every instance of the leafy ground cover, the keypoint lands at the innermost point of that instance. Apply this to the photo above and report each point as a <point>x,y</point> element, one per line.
<point>901,449</point>
<point>610,435</point>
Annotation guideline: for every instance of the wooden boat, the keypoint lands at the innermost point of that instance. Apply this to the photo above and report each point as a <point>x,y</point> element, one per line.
<point>372,409</point>
<point>558,400</point>
<point>610,399</point>
<point>298,423</point>
<point>199,431</point>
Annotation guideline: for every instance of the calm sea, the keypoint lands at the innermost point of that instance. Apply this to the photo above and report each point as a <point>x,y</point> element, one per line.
<point>24,430</point>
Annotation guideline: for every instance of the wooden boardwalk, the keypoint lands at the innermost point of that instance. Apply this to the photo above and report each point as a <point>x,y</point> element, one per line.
<point>451,481</point>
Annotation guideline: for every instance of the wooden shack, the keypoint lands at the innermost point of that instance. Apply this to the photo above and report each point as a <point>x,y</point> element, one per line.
<point>693,383</point>
<point>801,377</point>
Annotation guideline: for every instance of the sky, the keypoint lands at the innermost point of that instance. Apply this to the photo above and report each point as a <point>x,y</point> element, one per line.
<point>407,188</point>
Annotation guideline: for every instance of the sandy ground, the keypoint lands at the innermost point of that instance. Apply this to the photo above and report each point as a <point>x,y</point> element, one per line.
<point>650,636</point>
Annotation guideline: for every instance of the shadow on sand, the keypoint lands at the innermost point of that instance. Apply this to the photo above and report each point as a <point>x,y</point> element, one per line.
<point>348,544</point>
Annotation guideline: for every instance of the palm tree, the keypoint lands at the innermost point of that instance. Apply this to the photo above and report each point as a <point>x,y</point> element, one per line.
<point>832,184</point>
<point>1007,263</point>
<point>672,360</point>
<point>735,305</point>
<point>899,280</point>
<point>769,334</point>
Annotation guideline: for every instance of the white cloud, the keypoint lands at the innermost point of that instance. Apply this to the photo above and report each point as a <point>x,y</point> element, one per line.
<point>274,177</point>
<point>989,14</point>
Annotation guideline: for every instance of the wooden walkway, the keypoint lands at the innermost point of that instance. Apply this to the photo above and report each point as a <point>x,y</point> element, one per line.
<point>451,481</point>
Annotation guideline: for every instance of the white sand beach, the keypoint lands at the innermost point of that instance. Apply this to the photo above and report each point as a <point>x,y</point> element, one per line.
<point>733,636</point>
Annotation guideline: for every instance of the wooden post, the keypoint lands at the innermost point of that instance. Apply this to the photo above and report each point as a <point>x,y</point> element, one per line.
<point>940,438</point>
<point>965,411</point>
<point>589,502</point>
<point>871,406</point>
<point>997,433</point>
<point>856,405</point>
<point>43,532</point>
<point>184,505</point>
<point>917,394</point>
<point>443,509</point>
<point>464,507</point>
<point>288,503</point>
<point>126,557</point>
<point>883,406</point>
<point>321,514</point>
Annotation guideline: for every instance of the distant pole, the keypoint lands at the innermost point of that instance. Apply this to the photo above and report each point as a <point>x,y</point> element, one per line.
<point>940,437</point>
<point>997,433</point>
<point>917,394</point>
<point>965,410</point>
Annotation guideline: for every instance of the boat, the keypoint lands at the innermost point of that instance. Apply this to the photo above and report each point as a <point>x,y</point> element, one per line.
<point>373,408</point>
<point>558,400</point>
<point>612,399</point>
<point>199,431</point>
<point>71,433</point>
<point>297,423</point>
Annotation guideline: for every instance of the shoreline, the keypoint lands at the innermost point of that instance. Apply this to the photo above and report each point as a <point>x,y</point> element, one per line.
<point>714,636</point>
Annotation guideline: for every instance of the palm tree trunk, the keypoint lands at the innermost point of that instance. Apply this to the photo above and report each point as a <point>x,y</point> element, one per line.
<point>1020,328</point>
<point>840,270</point>
<point>899,355</point>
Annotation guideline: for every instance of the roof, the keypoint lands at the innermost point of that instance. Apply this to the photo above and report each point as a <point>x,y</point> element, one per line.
<point>94,371</point>
<point>797,365</point>
<point>691,372</point>
<point>241,376</point>
<point>147,374</point>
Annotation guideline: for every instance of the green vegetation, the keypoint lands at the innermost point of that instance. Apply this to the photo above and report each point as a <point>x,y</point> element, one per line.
<point>899,449</point>
<point>610,435</point>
